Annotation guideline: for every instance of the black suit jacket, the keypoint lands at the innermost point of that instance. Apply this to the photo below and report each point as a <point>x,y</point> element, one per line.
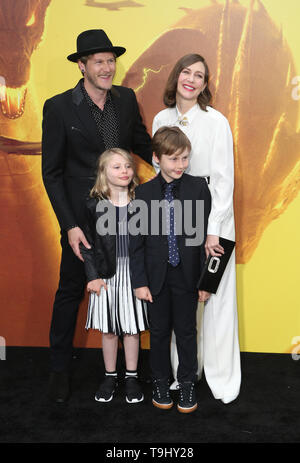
<point>71,145</point>
<point>149,252</point>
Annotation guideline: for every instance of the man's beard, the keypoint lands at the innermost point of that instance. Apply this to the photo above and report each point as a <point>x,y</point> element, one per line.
<point>95,83</point>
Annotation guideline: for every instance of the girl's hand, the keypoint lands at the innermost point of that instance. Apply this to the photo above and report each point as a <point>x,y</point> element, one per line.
<point>76,236</point>
<point>212,246</point>
<point>144,293</point>
<point>203,296</point>
<point>95,286</point>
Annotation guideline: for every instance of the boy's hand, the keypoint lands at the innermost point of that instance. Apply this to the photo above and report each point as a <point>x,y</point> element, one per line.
<point>144,293</point>
<point>203,296</point>
<point>95,286</point>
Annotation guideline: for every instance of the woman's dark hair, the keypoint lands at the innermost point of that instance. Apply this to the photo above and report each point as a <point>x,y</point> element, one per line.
<point>171,86</point>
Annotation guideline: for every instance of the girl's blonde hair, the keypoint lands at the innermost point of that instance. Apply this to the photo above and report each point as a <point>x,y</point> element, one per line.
<point>101,189</point>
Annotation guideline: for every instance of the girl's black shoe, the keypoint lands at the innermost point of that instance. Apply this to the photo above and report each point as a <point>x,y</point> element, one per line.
<point>106,389</point>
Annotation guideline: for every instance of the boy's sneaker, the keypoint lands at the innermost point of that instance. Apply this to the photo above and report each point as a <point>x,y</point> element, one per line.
<point>187,397</point>
<point>106,389</point>
<point>133,390</point>
<point>161,394</point>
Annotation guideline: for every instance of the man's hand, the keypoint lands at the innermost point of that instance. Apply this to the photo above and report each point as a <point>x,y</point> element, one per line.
<point>144,293</point>
<point>76,236</point>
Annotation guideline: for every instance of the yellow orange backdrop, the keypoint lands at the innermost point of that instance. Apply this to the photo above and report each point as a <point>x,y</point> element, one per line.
<point>267,281</point>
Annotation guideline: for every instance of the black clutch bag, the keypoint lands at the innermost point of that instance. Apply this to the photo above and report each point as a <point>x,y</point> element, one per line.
<point>214,268</point>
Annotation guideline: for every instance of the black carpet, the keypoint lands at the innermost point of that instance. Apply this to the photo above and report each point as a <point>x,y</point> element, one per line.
<point>267,410</point>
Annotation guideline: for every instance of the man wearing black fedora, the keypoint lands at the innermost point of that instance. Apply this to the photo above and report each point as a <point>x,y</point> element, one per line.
<point>78,125</point>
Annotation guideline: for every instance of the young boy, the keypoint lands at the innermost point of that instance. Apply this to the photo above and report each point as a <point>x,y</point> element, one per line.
<point>166,259</point>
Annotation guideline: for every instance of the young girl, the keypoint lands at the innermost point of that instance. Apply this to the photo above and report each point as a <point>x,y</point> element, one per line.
<point>113,309</point>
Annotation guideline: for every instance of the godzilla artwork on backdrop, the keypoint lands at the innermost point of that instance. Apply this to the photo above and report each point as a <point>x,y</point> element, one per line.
<point>241,45</point>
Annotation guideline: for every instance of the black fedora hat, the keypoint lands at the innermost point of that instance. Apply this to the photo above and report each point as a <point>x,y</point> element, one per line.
<point>94,41</point>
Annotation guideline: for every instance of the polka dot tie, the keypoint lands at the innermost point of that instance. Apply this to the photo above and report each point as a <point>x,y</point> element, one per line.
<point>174,258</point>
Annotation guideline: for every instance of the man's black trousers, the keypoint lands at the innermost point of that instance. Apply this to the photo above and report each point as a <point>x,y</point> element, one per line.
<point>69,294</point>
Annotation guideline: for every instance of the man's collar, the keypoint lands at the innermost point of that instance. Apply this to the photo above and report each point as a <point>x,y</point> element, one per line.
<point>77,93</point>
<point>89,99</point>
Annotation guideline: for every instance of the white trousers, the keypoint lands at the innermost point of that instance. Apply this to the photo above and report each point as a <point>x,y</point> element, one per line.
<point>218,343</point>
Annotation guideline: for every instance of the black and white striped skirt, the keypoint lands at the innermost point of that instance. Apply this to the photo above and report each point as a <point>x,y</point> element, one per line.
<point>117,310</point>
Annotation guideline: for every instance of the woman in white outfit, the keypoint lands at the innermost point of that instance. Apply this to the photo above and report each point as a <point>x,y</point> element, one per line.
<point>187,98</point>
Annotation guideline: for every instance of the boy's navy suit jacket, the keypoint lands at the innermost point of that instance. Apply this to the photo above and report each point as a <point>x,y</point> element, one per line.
<point>149,252</point>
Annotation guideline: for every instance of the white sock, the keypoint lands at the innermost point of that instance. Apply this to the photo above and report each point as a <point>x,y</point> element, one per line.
<point>131,374</point>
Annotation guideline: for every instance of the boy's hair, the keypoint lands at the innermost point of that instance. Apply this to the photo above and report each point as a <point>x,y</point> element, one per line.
<point>100,189</point>
<point>169,140</point>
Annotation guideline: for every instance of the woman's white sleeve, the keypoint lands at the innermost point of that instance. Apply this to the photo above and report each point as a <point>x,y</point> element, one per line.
<point>221,177</point>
